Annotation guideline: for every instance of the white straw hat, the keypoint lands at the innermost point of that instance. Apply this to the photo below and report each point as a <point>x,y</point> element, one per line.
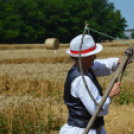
<point>89,47</point>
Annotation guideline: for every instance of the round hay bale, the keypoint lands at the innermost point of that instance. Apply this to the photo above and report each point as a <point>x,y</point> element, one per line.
<point>52,43</point>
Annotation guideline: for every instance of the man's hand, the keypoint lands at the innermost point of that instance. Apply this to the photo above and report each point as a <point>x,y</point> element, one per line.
<point>119,61</point>
<point>115,90</point>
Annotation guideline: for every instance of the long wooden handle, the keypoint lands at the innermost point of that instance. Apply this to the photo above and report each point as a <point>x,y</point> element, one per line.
<point>80,66</point>
<point>127,55</point>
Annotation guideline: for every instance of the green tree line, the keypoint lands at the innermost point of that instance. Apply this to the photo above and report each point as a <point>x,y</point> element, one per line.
<point>32,21</point>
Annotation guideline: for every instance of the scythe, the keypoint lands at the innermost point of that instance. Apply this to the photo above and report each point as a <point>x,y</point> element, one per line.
<point>120,70</point>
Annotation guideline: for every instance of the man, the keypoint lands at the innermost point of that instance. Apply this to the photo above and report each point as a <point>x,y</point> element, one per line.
<point>81,106</point>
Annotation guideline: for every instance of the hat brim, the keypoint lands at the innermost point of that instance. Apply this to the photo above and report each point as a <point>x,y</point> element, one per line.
<point>97,50</point>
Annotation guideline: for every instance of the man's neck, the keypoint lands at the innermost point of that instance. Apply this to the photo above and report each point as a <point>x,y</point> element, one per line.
<point>83,68</point>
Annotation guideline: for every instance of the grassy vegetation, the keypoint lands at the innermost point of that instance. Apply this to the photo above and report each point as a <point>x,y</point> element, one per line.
<point>28,119</point>
<point>29,127</point>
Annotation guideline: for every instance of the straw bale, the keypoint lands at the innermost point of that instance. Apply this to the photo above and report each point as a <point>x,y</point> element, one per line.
<point>52,43</point>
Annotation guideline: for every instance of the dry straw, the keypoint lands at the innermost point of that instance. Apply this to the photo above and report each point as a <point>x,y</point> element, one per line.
<point>35,79</point>
<point>50,56</point>
<point>21,46</point>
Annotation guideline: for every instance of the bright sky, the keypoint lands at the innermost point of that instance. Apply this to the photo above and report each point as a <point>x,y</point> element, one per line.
<point>127,10</point>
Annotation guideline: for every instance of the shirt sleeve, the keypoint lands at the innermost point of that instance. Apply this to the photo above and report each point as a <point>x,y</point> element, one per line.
<point>104,67</point>
<point>78,90</point>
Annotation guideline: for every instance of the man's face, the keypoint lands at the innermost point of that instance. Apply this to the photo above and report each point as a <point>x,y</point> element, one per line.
<point>88,61</point>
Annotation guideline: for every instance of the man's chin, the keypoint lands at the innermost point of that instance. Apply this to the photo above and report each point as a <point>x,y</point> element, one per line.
<point>91,65</point>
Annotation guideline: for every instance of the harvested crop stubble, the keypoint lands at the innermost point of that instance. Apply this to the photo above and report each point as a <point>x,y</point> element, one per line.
<point>114,44</point>
<point>120,119</point>
<point>50,56</point>
<point>21,46</point>
<point>33,56</point>
<point>117,41</point>
<point>65,46</point>
<point>11,54</point>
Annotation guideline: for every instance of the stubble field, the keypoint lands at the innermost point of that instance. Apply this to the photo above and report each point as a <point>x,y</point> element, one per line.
<point>32,85</point>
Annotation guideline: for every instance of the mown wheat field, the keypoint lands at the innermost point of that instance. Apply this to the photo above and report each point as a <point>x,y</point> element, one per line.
<point>32,85</point>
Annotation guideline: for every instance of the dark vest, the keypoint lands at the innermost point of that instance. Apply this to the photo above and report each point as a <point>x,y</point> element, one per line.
<point>78,115</point>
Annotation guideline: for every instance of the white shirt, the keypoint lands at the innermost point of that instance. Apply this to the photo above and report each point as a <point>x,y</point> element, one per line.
<point>101,67</point>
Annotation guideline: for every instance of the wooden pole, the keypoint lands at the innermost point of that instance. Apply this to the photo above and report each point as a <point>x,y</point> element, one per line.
<point>128,54</point>
<point>80,66</point>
